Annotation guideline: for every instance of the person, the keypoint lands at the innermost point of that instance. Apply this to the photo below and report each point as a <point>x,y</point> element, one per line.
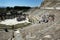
<point>51,17</point>
<point>39,22</point>
<point>44,19</point>
<point>6,30</point>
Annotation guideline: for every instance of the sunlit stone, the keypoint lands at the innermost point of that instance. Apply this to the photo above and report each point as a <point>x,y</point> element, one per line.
<point>13,21</point>
<point>47,36</point>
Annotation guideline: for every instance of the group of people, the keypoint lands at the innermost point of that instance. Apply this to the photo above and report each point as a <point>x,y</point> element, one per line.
<point>47,18</point>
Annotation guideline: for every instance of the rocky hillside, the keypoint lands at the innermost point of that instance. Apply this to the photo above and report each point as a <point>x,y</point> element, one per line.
<point>45,24</point>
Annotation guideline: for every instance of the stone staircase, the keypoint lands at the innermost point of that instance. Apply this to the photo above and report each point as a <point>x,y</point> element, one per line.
<point>40,30</point>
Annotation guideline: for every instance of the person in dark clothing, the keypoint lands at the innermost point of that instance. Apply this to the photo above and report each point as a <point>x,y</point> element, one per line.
<point>39,22</point>
<point>6,30</point>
